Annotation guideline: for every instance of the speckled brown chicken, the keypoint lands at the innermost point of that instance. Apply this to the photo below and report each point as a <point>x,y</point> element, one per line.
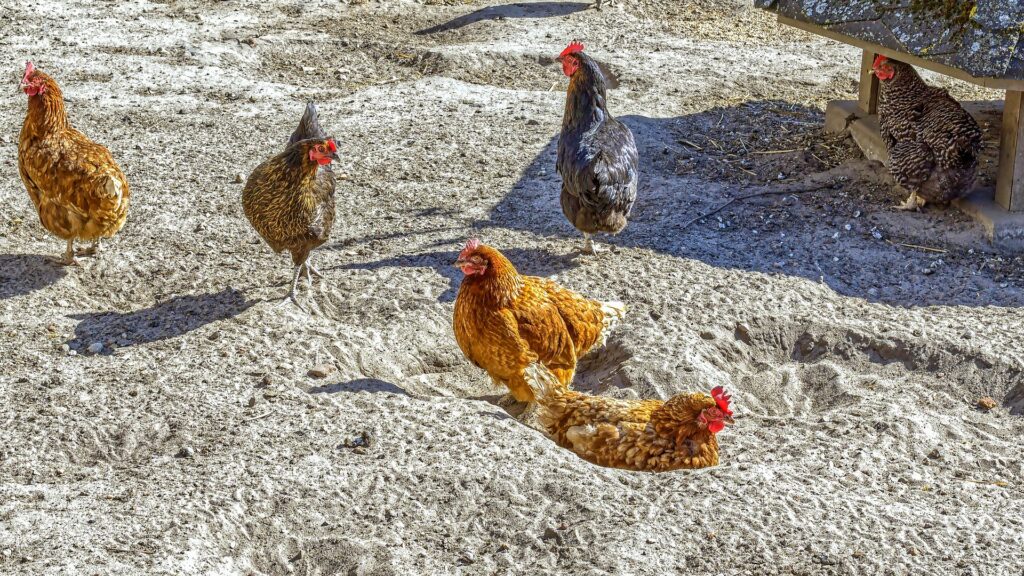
<point>289,199</point>
<point>505,321</point>
<point>933,143</point>
<point>78,189</point>
<point>644,435</point>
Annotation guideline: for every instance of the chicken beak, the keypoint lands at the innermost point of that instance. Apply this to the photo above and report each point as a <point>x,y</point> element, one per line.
<point>333,156</point>
<point>460,263</point>
<point>728,420</point>
<point>872,71</point>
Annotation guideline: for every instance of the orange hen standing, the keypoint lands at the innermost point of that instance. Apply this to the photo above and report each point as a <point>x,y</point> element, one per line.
<point>78,189</point>
<point>643,435</point>
<point>504,321</point>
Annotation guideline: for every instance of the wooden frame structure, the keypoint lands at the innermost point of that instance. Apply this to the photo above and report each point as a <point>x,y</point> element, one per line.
<point>1009,192</point>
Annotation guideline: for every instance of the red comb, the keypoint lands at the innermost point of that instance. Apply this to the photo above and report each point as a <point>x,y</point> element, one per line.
<point>878,60</point>
<point>471,245</point>
<point>572,48</point>
<point>332,146</point>
<point>29,69</point>
<point>722,399</point>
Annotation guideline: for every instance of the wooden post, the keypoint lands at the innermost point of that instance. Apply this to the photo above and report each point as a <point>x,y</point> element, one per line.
<point>868,84</point>
<point>1010,178</point>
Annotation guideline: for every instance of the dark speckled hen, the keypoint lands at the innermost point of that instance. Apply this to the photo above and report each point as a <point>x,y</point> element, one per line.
<point>597,155</point>
<point>289,199</point>
<point>933,143</point>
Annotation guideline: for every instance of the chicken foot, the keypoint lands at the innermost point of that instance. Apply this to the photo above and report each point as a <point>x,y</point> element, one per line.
<point>290,297</point>
<point>913,202</point>
<point>589,246</point>
<point>69,254</point>
<point>312,269</point>
<point>92,250</point>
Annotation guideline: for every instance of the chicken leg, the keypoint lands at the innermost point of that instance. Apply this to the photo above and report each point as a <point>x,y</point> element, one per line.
<point>290,297</point>
<point>69,254</point>
<point>589,247</point>
<point>312,269</point>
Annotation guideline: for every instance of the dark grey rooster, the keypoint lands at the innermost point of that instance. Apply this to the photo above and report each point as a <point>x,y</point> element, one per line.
<point>933,143</point>
<point>289,200</point>
<point>597,155</point>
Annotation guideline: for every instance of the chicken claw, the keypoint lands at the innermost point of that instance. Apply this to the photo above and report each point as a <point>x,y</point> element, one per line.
<point>69,255</point>
<point>913,202</point>
<point>589,247</point>
<point>290,297</point>
<point>92,250</point>
<point>310,269</point>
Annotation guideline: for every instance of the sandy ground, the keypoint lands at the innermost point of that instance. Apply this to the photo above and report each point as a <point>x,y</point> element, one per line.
<point>194,442</point>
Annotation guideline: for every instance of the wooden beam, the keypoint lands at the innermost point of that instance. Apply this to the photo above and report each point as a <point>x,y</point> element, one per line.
<point>1010,178</point>
<point>996,83</point>
<point>868,84</point>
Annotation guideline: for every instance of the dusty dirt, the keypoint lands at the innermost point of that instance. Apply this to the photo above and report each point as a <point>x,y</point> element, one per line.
<point>194,442</point>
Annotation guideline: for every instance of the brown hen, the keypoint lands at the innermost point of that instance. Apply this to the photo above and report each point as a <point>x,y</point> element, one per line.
<point>505,321</point>
<point>289,199</point>
<point>78,189</point>
<point>644,435</point>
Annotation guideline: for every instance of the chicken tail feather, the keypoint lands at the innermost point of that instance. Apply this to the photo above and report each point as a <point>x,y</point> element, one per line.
<point>612,314</point>
<point>309,126</point>
<point>542,382</point>
<point>112,189</point>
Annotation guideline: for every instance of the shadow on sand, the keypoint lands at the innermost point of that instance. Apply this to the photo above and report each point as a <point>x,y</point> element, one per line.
<point>805,238</point>
<point>531,261</point>
<point>22,274</point>
<point>525,10</point>
<point>372,385</point>
<point>168,319</point>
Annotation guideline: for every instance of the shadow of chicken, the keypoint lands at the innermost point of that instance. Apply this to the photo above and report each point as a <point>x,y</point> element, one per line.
<point>597,154</point>
<point>289,199</point>
<point>642,435</point>
<point>78,189</point>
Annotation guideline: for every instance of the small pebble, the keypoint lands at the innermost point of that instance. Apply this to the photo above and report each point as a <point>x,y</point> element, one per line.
<point>239,179</point>
<point>95,348</point>
<point>321,370</point>
<point>987,403</point>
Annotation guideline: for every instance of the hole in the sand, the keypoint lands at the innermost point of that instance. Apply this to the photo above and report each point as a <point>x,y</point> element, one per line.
<point>360,385</point>
<point>794,368</point>
<point>600,370</point>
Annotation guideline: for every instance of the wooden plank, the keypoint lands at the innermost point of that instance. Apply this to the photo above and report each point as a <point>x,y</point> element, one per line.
<point>996,83</point>
<point>868,100</point>
<point>1010,178</point>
